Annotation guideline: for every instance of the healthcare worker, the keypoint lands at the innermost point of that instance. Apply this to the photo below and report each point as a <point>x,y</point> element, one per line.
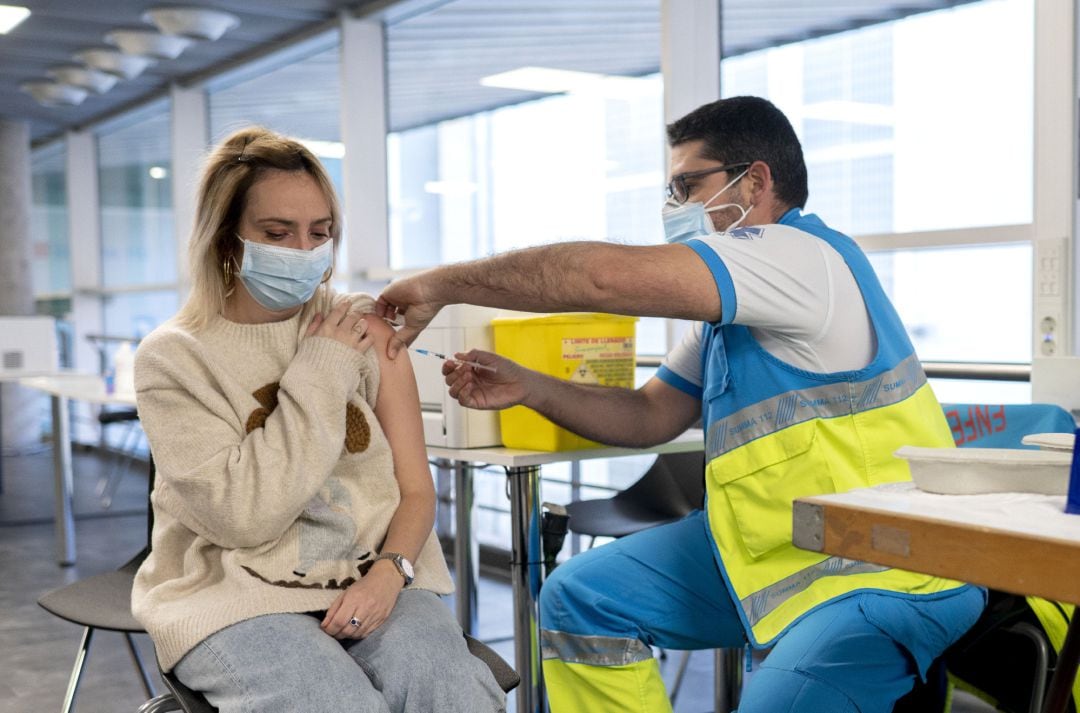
<point>805,381</point>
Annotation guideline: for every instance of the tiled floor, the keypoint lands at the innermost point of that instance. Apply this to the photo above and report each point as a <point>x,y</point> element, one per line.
<point>37,650</point>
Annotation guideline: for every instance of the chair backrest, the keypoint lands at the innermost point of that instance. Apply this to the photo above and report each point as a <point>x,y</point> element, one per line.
<point>1004,425</point>
<point>674,484</point>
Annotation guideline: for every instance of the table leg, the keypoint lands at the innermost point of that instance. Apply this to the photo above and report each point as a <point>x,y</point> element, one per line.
<point>444,488</point>
<point>466,550</point>
<point>64,524</point>
<point>1057,700</point>
<point>526,573</point>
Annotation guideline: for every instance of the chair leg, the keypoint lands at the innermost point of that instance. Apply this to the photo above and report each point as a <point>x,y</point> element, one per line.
<point>161,704</point>
<point>1042,662</point>
<point>76,671</point>
<point>148,685</point>
<point>120,466</point>
<point>679,677</point>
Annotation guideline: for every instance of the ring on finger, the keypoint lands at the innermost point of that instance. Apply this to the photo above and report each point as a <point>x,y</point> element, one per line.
<point>354,623</point>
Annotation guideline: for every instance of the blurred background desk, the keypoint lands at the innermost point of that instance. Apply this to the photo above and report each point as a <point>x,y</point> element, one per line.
<point>1015,542</point>
<point>63,387</point>
<point>526,551</point>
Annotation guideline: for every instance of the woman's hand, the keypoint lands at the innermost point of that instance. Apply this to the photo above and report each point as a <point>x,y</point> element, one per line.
<point>483,389</point>
<point>343,326</point>
<point>369,600</point>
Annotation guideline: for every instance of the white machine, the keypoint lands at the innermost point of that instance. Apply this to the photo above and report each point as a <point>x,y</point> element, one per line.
<point>28,345</point>
<point>457,328</point>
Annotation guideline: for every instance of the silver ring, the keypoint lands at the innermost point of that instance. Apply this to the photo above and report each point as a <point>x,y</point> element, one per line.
<point>355,622</point>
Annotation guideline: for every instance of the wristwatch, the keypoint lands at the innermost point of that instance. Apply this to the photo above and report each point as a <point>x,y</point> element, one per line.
<point>404,566</point>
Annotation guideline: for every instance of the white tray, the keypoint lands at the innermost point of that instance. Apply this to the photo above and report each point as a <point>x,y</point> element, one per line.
<point>967,471</point>
<point>1050,441</point>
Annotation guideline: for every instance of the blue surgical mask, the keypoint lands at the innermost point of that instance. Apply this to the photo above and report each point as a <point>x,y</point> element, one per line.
<point>689,220</point>
<point>282,278</point>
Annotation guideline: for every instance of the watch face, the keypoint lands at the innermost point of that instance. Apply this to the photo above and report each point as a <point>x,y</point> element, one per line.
<point>406,567</point>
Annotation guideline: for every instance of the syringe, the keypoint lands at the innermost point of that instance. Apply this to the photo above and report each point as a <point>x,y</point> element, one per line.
<point>474,364</point>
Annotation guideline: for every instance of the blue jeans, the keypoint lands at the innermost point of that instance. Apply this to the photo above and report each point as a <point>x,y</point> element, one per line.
<point>415,662</point>
<point>662,587</point>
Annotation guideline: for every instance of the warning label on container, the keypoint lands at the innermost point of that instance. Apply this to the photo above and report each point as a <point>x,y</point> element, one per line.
<point>607,361</point>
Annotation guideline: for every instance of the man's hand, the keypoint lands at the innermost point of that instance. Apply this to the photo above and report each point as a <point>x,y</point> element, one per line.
<point>476,388</point>
<point>408,299</point>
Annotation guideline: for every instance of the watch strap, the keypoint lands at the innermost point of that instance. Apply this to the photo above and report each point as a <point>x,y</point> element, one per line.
<point>396,558</point>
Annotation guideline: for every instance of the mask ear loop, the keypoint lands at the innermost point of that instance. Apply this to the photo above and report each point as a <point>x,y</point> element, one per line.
<point>731,183</point>
<point>330,272</point>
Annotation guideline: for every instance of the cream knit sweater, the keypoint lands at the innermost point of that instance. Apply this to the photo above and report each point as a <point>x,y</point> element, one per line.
<point>275,484</point>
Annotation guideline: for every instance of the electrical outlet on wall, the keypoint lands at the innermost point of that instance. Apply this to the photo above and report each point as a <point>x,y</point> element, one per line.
<point>1051,297</point>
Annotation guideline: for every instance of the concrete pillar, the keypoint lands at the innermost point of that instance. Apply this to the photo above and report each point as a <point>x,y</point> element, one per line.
<point>20,428</point>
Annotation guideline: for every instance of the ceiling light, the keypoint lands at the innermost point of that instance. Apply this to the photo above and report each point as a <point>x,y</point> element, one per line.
<point>54,93</point>
<point>126,66</point>
<point>198,22</point>
<point>148,43</point>
<point>11,16</point>
<point>559,81</point>
<point>542,79</point>
<point>76,76</point>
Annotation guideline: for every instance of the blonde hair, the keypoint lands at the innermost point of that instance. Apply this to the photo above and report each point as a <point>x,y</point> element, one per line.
<point>229,172</point>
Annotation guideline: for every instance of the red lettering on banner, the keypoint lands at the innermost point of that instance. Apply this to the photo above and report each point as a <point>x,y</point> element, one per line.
<point>982,414</point>
<point>970,423</point>
<point>953,417</point>
<point>999,416</point>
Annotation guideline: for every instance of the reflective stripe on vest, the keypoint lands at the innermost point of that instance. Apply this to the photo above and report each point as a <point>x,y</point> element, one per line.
<point>828,401</point>
<point>762,602</point>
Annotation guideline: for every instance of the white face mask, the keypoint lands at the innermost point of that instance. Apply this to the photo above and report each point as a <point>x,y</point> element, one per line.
<point>281,278</point>
<point>691,219</point>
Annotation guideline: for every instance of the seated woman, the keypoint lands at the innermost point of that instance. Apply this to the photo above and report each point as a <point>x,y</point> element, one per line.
<point>294,566</point>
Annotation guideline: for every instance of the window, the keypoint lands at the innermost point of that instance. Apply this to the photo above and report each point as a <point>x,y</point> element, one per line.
<point>51,262</point>
<point>883,119</point>
<point>138,246</point>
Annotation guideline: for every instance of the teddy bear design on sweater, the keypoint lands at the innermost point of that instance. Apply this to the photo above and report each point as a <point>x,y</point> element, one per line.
<point>327,529</point>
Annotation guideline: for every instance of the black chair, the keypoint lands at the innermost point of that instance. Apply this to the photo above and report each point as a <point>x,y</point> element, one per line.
<point>182,698</point>
<point>671,488</point>
<point>102,601</point>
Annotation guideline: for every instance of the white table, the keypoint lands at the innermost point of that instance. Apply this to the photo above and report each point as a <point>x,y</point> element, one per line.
<point>63,387</point>
<point>526,550</point>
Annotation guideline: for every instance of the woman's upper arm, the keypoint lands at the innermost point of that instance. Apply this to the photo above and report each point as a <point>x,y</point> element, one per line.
<point>398,410</point>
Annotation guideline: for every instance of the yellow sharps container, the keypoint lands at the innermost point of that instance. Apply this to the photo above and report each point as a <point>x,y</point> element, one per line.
<point>586,348</point>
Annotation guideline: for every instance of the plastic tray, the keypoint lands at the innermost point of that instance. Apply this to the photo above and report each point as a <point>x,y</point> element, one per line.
<point>967,471</point>
<point>1050,441</point>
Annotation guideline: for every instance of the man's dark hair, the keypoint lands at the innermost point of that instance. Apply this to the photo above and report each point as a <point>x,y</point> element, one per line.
<point>746,129</point>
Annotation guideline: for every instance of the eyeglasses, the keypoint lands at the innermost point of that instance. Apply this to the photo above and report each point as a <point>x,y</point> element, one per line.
<point>677,190</point>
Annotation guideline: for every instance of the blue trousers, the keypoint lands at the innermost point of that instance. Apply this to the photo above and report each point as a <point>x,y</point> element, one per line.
<point>663,587</point>
<point>416,662</point>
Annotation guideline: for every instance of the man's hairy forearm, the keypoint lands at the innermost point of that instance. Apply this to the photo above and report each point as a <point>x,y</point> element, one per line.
<point>645,281</point>
<point>549,278</point>
<point>607,414</point>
